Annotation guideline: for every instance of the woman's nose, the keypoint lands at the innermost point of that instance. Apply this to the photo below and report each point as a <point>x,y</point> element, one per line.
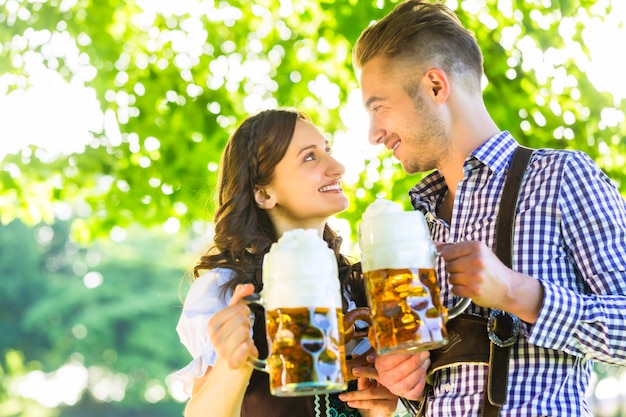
<point>336,167</point>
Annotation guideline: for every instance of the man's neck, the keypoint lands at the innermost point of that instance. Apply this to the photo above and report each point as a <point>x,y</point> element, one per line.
<point>444,211</point>
<point>470,126</point>
<point>452,173</point>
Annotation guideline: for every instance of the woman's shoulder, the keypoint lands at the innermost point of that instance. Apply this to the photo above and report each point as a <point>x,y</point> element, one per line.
<point>216,276</point>
<point>207,287</point>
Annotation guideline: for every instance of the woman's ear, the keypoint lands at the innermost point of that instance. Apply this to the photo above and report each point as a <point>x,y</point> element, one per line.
<point>263,199</point>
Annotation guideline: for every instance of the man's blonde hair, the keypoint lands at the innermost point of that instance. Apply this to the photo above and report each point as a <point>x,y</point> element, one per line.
<point>422,33</point>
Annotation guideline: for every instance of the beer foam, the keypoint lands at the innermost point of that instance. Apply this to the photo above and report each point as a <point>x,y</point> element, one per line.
<point>417,254</point>
<point>380,207</point>
<point>300,270</point>
<point>390,237</point>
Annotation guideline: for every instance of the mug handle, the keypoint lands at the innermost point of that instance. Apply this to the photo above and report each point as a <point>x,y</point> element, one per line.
<point>463,303</point>
<point>459,308</point>
<point>256,363</point>
<point>359,313</point>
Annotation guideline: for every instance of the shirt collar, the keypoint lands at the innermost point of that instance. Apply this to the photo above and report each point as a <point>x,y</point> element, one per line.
<point>495,154</point>
<point>426,195</point>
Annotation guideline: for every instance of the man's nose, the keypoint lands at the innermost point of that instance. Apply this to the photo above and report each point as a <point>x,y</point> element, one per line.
<point>376,134</point>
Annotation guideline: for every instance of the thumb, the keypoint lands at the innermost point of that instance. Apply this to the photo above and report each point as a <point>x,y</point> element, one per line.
<point>241,291</point>
<point>440,246</point>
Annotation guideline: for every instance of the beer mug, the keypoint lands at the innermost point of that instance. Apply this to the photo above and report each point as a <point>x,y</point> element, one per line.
<point>398,261</point>
<point>303,317</point>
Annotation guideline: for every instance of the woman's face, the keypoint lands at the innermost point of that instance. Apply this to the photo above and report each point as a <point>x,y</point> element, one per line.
<point>306,185</point>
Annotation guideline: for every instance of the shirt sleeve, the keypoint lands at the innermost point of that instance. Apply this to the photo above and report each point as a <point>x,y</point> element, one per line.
<point>587,318</point>
<point>201,303</point>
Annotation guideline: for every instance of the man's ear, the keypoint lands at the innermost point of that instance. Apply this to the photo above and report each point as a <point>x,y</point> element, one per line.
<point>439,84</point>
<point>263,199</point>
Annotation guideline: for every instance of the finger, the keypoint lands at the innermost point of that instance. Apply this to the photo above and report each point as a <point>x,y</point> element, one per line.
<point>405,378</point>
<point>366,390</point>
<point>227,338</point>
<point>233,315</point>
<point>439,246</point>
<point>369,372</point>
<point>364,383</point>
<point>453,251</point>
<point>241,291</point>
<point>230,324</point>
<point>240,354</point>
<point>377,398</point>
<point>388,362</point>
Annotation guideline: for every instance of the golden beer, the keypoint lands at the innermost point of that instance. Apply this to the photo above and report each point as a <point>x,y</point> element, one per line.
<point>306,351</point>
<point>407,314</point>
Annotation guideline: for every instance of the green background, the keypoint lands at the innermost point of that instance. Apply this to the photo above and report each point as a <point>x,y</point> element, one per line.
<point>98,291</point>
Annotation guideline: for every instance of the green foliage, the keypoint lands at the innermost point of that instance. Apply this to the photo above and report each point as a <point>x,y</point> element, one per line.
<point>22,284</point>
<point>112,306</point>
<point>174,84</point>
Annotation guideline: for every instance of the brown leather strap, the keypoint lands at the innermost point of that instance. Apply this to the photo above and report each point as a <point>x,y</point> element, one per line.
<point>467,343</point>
<point>497,379</point>
<point>508,202</point>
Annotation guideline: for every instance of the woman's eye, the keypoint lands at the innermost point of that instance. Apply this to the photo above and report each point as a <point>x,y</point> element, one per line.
<point>309,157</point>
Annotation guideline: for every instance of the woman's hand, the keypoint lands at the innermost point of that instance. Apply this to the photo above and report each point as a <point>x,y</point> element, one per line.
<point>221,389</point>
<point>229,330</point>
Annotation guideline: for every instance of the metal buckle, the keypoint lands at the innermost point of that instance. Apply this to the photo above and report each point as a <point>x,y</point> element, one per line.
<point>491,327</point>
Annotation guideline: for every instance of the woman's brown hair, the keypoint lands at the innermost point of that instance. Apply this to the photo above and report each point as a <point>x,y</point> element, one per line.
<point>243,231</point>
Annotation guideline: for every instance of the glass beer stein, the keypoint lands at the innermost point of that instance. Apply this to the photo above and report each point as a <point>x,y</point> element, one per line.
<point>398,261</point>
<point>303,316</point>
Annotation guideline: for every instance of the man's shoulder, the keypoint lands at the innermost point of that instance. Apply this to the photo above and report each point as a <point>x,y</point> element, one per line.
<point>568,165</point>
<point>549,157</point>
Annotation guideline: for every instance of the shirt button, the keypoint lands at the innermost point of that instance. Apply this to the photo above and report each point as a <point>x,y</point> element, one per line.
<point>447,387</point>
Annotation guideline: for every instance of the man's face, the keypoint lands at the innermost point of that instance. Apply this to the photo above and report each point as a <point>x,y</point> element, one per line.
<point>403,117</point>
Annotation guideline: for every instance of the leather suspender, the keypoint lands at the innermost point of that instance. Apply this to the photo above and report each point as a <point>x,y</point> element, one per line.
<point>508,203</point>
<point>497,380</point>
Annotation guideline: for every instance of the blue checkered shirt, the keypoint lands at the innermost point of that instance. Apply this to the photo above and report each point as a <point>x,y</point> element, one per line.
<point>570,234</point>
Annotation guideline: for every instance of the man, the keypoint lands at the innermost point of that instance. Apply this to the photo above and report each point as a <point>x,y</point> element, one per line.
<point>420,72</point>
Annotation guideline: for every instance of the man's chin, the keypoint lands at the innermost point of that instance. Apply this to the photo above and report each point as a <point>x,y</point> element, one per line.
<point>413,168</point>
<point>409,169</point>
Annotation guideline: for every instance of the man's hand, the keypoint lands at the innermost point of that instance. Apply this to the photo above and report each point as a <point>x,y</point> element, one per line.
<point>477,273</point>
<point>403,374</point>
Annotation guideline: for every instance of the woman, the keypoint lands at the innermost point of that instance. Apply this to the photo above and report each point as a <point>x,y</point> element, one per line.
<point>276,175</point>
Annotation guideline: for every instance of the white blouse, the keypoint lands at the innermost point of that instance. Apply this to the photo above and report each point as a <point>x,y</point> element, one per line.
<point>201,303</point>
